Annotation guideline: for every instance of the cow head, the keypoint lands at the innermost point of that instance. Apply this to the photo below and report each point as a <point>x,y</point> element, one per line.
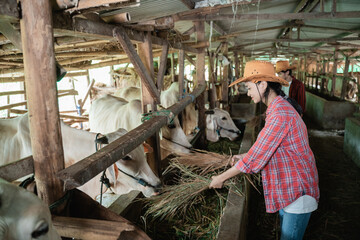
<point>177,140</point>
<point>23,215</point>
<point>132,172</point>
<point>219,124</point>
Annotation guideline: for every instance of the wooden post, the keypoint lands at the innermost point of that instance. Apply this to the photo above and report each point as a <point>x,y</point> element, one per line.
<point>146,56</point>
<point>318,58</point>
<point>162,66</point>
<point>212,81</point>
<point>323,79</point>
<point>305,70</point>
<point>346,73</point>
<point>225,79</point>
<point>172,68</point>
<point>237,65</point>
<point>40,77</point>
<point>200,79</point>
<point>181,60</point>
<point>332,92</point>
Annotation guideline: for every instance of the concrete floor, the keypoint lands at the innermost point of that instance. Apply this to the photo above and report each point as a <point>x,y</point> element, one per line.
<point>338,215</point>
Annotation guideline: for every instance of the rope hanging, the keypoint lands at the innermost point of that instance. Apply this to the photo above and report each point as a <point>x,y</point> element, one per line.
<point>167,113</point>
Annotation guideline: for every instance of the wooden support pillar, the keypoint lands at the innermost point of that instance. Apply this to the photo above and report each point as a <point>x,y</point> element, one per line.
<point>318,58</point>
<point>305,70</point>
<point>200,80</point>
<point>346,74</point>
<point>40,78</point>
<point>162,66</point>
<point>146,56</point>
<point>181,60</point>
<point>225,79</point>
<point>323,72</point>
<point>237,65</point>
<point>212,87</point>
<point>172,68</point>
<point>332,92</point>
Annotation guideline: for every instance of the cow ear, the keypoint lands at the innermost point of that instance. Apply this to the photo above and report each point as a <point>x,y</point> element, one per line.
<point>147,148</point>
<point>102,140</point>
<point>209,112</point>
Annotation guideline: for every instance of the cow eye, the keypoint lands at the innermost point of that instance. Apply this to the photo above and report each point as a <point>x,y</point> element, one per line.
<point>223,118</point>
<point>126,158</point>
<point>41,230</point>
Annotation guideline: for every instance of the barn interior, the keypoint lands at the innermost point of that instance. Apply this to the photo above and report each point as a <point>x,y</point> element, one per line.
<point>55,56</point>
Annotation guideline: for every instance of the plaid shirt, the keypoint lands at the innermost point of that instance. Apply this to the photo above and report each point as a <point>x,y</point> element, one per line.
<point>283,154</point>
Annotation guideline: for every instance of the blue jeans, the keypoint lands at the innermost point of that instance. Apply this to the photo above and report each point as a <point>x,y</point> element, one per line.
<point>293,225</point>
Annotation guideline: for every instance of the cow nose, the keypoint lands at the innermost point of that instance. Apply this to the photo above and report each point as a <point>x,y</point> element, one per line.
<point>158,189</point>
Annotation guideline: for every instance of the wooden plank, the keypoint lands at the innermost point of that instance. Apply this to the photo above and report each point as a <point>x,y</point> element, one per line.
<point>10,33</point>
<point>268,16</point>
<point>162,67</point>
<point>8,106</point>
<point>84,170</point>
<point>91,229</point>
<point>146,78</point>
<point>87,93</point>
<point>12,93</point>
<point>40,72</point>
<point>181,61</point>
<point>80,118</point>
<point>200,80</point>
<point>11,79</point>
<point>12,171</point>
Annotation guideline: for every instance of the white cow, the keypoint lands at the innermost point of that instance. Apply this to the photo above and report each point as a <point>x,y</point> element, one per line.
<point>218,122</point>
<point>110,112</point>
<point>23,215</point>
<point>78,144</point>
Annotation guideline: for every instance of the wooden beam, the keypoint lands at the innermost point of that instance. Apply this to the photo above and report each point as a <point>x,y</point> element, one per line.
<point>344,82</point>
<point>10,33</point>
<point>190,59</point>
<point>12,171</point>
<point>91,229</point>
<point>40,72</point>
<point>336,53</point>
<point>269,16</point>
<point>181,60</point>
<point>189,31</point>
<point>146,56</point>
<point>200,80</point>
<point>79,173</point>
<point>87,93</point>
<point>162,67</point>
<point>225,80</point>
<point>146,78</point>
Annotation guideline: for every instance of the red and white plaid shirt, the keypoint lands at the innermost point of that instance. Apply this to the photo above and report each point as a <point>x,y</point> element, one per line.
<point>283,154</point>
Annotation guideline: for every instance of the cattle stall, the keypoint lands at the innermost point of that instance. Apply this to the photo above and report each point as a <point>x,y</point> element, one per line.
<point>50,52</point>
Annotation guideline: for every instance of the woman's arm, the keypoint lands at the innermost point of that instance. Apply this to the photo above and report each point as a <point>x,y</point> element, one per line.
<point>218,181</point>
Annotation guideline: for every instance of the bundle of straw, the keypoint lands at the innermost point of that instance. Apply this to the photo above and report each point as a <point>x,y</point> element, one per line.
<point>177,199</point>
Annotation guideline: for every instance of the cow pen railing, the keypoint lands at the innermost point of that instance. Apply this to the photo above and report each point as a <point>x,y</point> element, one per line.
<point>84,170</point>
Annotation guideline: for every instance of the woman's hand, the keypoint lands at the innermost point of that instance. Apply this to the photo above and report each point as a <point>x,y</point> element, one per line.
<point>216,182</point>
<point>236,158</point>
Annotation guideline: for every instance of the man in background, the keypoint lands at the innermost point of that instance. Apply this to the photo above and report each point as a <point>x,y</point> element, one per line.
<point>296,89</point>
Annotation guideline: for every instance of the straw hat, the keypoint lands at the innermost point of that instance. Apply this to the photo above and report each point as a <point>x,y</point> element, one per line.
<point>283,66</point>
<point>256,71</point>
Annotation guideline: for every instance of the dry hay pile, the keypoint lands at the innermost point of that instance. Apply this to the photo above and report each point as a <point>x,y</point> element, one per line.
<point>189,208</point>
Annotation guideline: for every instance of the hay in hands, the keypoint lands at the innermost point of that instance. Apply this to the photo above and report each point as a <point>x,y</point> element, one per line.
<point>178,199</point>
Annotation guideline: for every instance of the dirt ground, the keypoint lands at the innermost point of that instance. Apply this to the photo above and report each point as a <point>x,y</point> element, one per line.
<point>338,215</point>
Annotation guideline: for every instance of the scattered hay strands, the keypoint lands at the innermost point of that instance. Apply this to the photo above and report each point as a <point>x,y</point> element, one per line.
<point>177,199</point>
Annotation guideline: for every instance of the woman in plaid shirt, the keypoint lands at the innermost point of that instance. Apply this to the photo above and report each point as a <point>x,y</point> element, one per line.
<point>281,152</point>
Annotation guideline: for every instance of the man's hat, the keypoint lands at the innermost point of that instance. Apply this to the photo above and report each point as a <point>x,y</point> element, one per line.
<point>283,66</point>
<point>256,71</point>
